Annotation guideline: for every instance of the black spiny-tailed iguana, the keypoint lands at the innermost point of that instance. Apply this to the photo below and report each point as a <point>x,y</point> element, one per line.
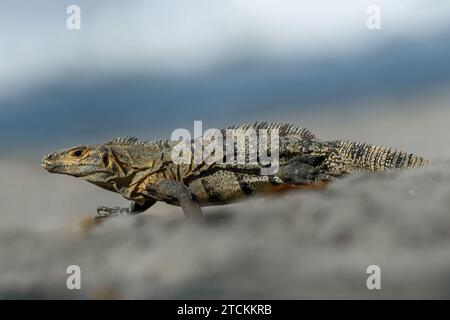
<point>144,172</point>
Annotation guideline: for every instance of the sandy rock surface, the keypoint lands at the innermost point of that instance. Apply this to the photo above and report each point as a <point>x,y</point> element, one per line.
<point>301,245</point>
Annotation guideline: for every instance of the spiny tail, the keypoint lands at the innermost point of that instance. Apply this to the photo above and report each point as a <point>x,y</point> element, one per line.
<point>362,156</point>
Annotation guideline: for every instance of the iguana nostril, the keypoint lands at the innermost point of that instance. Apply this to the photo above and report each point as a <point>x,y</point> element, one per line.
<point>50,157</point>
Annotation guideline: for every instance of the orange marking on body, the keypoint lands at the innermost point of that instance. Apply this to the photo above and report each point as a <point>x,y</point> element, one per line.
<point>288,187</point>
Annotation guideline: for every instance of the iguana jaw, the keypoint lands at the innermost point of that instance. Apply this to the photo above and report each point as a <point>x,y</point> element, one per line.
<point>75,170</point>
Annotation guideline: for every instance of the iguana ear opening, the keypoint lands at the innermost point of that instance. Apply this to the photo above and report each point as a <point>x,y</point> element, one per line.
<point>105,159</point>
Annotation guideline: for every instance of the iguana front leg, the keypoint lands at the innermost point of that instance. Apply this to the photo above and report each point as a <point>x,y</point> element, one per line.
<point>134,208</point>
<point>173,190</point>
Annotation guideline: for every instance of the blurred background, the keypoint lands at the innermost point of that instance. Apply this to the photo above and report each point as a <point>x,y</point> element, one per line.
<point>145,68</point>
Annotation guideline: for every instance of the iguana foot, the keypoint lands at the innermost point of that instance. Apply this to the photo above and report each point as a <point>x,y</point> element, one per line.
<point>106,212</point>
<point>134,208</point>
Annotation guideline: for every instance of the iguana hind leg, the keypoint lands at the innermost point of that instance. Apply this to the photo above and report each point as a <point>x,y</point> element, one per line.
<point>134,208</point>
<point>301,170</point>
<point>297,172</point>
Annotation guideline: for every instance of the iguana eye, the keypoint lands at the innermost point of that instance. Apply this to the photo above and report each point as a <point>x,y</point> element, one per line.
<point>77,153</point>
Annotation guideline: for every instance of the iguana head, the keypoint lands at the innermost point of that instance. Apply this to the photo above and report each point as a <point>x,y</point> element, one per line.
<point>90,163</point>
<point>114,165</point>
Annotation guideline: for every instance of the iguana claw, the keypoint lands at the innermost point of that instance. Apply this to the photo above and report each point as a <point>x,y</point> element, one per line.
<point>105,212</point>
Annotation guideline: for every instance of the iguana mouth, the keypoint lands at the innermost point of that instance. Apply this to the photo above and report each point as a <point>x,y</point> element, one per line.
<point>52,167</point>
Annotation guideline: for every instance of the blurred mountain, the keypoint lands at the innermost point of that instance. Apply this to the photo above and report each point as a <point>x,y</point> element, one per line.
<point>104,105</point>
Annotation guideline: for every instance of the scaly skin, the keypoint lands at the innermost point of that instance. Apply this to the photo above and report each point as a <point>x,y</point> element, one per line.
<point>144,172</point>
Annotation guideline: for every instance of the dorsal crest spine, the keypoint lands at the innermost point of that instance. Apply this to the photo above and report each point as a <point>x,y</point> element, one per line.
<point>136,142</point>
<point>284,128</point>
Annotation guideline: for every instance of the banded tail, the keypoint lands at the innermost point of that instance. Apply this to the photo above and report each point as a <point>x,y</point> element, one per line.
<point>362,156</point>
